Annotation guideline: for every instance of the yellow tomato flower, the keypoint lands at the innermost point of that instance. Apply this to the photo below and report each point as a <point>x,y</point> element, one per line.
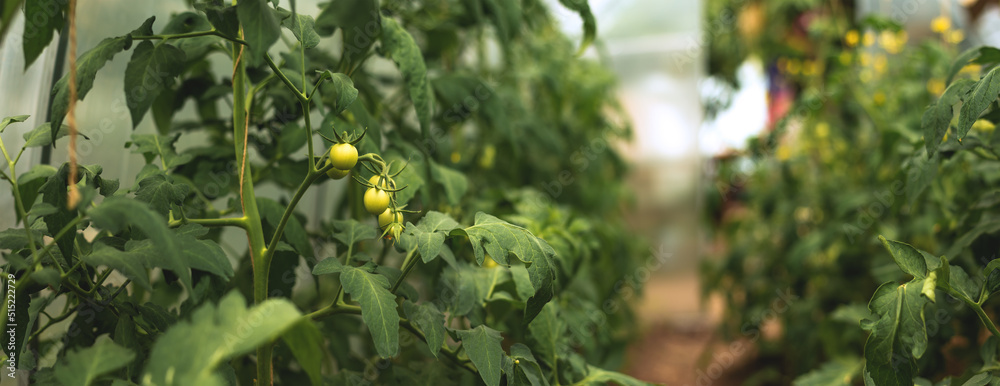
<point>971,69</point>
<point>941,24</point>
<point>822,130</point>
<point>869,39</point>
<point>983,126</point>
<point>935,86</point>
<point>794,66</point>
<point>846,58</point>
<point>851,38</point>
<point>881,64</point>
<point>878,98</point>
<point>955,36</point>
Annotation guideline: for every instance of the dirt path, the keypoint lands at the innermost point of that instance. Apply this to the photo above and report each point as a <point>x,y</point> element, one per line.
<point>678,345</point>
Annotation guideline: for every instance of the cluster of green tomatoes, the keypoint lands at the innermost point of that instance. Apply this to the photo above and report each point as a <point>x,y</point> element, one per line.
<point>380,198</point>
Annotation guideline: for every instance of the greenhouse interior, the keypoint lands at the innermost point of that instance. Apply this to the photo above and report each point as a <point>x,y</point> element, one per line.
<point>332,192</point>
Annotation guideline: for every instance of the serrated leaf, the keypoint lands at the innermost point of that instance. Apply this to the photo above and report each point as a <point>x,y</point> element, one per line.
<point>500,239</point>
<point>43,135</point>
<point>260,28</point>
<point>898,334</point>
<point>983,94</point>
<point>87,66</point>
<point>43,17</point>
<point>338,92</point>
<point>151,70</point>
<point>524,368</point>
<point>8,120</point>
<point>429,320</point>
<point>117,213</point>
<point>378,307</point>
<point>399,46</point>
<point>360,22</point>
<point>909,259</point>
<point>352,231</point>
<point>482,344</point>
<point>82,367</point>
<point>306,342</point>
<point>979,380</point>
<point>546,330</point>
<point>154,145</point>
<point>131,265</point>
<point>17,238</point>
<point>189,352</point>
<point>303,28</point>
<point>982,55</point>
<point>454,183</point>
<point>428,235</point>
<point>187,22</point>
<point>160,192</point>
<point>327,266</point>
<point>589,21</point>
<point>937,118</point>
<point>838,372</point>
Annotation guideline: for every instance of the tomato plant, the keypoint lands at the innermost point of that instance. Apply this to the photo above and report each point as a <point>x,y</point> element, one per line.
<point>483,276</point>
<point>878,141</point>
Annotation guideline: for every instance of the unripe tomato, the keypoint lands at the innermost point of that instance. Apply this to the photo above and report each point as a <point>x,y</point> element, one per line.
<point>336,173</point>
<point>489,263</point>
<point>376,201</point>
<point>388,217</point>
<point>386,182</point>
<point>343,156</point>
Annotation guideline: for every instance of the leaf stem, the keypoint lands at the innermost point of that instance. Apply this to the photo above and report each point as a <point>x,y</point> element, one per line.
<point>211,32</point>
<point>289,212</point>
<point>240,222</point>
<point>284,79</point>
<point>408,263</point>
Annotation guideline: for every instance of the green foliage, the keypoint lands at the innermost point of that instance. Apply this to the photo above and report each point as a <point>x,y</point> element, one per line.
<point>852,163</point>
<point>155,293</point>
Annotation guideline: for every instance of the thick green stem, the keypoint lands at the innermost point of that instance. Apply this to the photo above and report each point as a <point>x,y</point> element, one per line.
<point>240,222</point>
<point>248,200</point>
<point>408,263</point>
<point>284,79</point>
<point>289,212</point>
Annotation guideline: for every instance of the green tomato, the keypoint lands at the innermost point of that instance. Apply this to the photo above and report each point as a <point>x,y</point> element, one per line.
<point>386,182</point>
<point>343,156</point>
<point>336,173</point>
<point>376,201</point>
<point>388,217</point>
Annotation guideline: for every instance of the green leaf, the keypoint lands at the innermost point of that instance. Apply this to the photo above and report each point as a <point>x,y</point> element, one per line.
<point>399,46</point>
<point>937,118</point>
<point>117,213</point>
<point>306,343</point>
<point>986,225</point>
<point>982,55</point>
<point>222,16</point>
<point>82,367</point>
<point>42,18</point>
<point>428,235</point>
<point>838,372</point>
<point>17,238</point>
<point>303,28</point>
<point>352,231</point>
<point>189,352</point>
<point>131,265</point>
<point>339,92</point>
<point>898,334</point>
<point>482,344</point>
<point>151,70</point>
<point>293,137</point>
<point>153,145</point>
<point>589,22</point>
<point>43,135</point>
<point>8,120</point>
<point>160,192</point>
<point>361,24</point>
<point>187,22</point>
<point>429,320</point>
<point>546,330</point>
<point>328,265</point>
<point>908,258</point>
<point>524,368</point>
<point>87,66</point>
<point>597,376</point>
<point>979,380</point>
<point>54,193</point>
<point>500,238</point>
<point>455,184</point>
<point>985,93</point>
<point>260,28</point>
<point>919,175</point>
<point>378,307</point>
